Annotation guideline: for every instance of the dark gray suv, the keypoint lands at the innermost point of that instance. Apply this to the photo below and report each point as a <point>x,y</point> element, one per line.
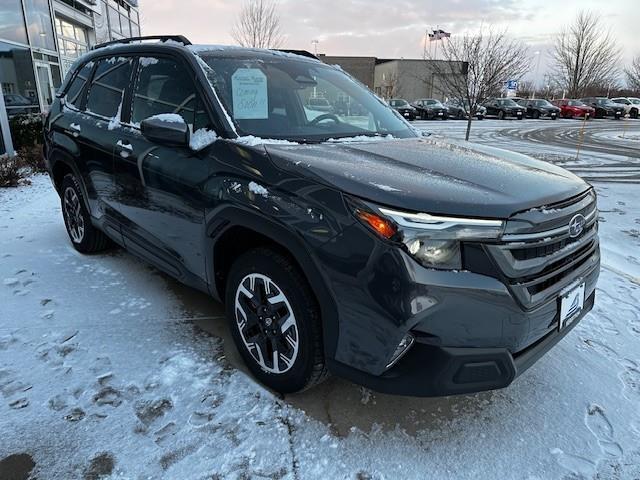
<point>341,241</point>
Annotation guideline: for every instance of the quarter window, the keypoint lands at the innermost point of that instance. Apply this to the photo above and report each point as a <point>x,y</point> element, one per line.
<point>76,87</point>
<point>164,86</point>
<point>109,83</point>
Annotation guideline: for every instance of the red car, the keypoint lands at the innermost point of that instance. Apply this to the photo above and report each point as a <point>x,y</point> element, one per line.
<point>574,108</point>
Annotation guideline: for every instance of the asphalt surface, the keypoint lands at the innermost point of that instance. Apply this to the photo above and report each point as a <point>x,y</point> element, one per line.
<point>600,150</point>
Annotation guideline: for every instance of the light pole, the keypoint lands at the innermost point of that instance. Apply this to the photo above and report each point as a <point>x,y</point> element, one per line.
<point>535,74</point>
<point>315,46</point>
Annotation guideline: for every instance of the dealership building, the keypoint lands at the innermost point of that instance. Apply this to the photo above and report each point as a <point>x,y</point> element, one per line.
<point>40,39</point>
<point>410,79</point>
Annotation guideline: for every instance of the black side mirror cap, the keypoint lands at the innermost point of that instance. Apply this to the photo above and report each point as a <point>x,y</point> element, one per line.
<point>166,129</point>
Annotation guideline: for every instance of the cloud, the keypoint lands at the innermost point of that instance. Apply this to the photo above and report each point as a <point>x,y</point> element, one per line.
<point>387,28</point>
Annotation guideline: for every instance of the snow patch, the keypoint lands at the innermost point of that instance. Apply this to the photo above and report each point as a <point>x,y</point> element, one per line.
<point>386,188</point>
<point>258,189</point>
<point>253,141</point>
<point>168,118</point>
<point>202,138</point>
<point>146,61</point>
<point>362,138</point>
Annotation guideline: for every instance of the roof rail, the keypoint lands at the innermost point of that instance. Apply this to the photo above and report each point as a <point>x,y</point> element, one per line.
<point>163,38</point>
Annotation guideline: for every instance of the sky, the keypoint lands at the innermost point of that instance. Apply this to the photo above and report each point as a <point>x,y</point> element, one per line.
<point>396,28</point>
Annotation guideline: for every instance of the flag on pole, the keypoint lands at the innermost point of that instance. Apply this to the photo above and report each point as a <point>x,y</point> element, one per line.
<point>438,34</point>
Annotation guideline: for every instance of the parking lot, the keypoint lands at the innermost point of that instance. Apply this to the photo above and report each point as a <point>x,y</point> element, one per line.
<point>108,366</point>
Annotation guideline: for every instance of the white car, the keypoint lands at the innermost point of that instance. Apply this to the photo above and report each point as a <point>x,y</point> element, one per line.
<point>631,105</point>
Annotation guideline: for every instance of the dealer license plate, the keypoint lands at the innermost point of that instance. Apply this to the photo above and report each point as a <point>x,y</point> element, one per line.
<point>571,304</point>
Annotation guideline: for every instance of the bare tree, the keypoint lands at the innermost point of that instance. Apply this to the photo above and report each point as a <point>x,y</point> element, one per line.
<point>633,75</point>
<point>258,25</point>
<point>585,54</point>
<point>391,85</point>
<point>474,67</point>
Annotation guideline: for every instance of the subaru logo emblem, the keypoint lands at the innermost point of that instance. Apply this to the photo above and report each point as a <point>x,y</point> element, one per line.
<point>576,225</point>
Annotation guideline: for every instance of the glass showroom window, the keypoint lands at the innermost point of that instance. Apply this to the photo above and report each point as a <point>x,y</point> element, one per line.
<point>12,26</point>
<point>39,24</point>
<point>72,38</point>
<point>17,80</point>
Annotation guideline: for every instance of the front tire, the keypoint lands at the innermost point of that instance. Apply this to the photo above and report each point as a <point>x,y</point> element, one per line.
<point>500,115</point>
<point>275,321</point>
<point>535,114</point>
<point>84,236</point>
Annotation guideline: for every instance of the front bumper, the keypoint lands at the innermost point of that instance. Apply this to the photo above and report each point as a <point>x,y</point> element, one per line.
<point>430,371</point>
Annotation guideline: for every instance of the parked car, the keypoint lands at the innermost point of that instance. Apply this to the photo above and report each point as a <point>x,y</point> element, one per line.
<point>319,104</point>
<point>539,108</point>
<point>631,105</point>
<point>460,110</point>
<point>403,108</point>
<point>410,265</point>
<point>570,108</point>
<point>504,108</point>
<point>430,109</point>
<point>604,107</point>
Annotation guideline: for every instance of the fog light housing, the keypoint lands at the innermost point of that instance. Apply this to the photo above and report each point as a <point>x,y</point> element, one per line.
<point>402,348</point>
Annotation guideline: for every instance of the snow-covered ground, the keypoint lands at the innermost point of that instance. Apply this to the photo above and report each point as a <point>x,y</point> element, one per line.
<point>109,367</point>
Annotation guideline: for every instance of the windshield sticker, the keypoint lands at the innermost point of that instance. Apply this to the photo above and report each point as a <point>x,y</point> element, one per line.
<point>249,90</point>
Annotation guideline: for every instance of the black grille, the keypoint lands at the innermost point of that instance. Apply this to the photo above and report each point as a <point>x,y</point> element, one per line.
<point>574,259</point>
<point>527,253</point>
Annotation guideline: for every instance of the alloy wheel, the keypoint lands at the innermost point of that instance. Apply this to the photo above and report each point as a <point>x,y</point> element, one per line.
<point>73,215</point>
<point>267,323</point>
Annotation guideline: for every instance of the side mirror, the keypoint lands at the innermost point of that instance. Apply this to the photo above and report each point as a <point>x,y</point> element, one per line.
<point>166,129</point>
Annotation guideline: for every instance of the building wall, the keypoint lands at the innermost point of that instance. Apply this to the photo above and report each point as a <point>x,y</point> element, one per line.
<point>411,79</point>
<point>395,78</point>
<point>361,68</point>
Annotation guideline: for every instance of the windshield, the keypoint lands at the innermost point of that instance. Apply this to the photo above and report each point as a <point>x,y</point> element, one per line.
<point>289,98</point>
<point>543,103</point>
<point>576,103</point>
<point>398,103</point>
<point>635,101</point>
<point>507,102</point>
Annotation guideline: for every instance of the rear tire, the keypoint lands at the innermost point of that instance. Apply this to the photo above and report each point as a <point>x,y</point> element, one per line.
<point>633,113</point>
<point>272,312</point>
<point>535,114</point>
<point>84,236</point>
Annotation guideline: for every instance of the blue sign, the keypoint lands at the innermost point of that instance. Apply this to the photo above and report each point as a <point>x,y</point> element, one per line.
<point>512,84</point>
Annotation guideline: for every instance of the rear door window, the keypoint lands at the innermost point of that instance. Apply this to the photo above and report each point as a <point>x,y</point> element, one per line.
<point>165,86</point>
<point>107,91</point>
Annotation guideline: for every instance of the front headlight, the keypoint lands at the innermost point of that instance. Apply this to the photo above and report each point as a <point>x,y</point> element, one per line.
<point>434,240</point>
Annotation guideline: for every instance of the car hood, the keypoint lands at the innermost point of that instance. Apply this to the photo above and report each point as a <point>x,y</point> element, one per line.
<point>431,175</point>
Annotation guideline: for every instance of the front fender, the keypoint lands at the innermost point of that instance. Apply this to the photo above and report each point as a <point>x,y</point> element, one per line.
<point>228,216</point>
